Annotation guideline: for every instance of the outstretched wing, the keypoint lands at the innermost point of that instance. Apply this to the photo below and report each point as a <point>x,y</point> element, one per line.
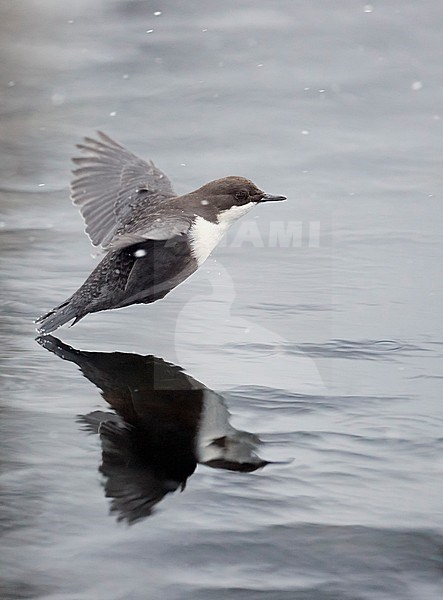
<point>114,190</point>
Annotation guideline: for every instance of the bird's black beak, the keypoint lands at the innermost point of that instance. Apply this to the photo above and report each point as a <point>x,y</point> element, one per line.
<point>271,198</point>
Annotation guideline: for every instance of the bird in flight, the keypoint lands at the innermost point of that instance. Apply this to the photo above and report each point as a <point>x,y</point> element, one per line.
<point>153,238</point>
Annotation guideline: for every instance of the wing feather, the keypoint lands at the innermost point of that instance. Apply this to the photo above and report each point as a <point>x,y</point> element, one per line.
<point>118,193</point>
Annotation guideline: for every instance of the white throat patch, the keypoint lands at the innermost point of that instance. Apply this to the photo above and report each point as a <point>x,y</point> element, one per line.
<point>204,235</point>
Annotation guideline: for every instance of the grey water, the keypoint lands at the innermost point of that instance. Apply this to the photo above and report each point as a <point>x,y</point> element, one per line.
<point>273,428</point>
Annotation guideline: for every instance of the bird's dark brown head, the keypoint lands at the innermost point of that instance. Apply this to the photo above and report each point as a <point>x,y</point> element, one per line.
<point>221,195</point>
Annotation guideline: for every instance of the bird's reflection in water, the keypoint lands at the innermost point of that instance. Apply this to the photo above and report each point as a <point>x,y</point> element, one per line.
<point>165,422</point>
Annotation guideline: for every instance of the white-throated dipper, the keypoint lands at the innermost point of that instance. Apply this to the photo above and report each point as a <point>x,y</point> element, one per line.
<point>153,238</point>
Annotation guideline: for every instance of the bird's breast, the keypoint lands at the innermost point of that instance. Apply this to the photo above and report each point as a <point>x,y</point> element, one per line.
<point>205,235</point>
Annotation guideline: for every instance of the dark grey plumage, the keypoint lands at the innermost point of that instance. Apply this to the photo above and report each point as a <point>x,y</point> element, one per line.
<point>122,279</point>
<point>117,193</point>
<point>132,212</point>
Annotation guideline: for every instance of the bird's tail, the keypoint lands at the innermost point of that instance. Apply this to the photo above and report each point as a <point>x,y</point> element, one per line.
<point>57,317</point>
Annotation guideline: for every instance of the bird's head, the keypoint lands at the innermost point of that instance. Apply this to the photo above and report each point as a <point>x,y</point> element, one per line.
<point>231,197</point>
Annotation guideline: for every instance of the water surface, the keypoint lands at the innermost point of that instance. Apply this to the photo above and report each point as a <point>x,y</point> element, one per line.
<point>317,351</point>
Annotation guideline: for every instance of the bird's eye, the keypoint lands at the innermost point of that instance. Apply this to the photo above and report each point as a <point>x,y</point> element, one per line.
<point>241,195</point>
